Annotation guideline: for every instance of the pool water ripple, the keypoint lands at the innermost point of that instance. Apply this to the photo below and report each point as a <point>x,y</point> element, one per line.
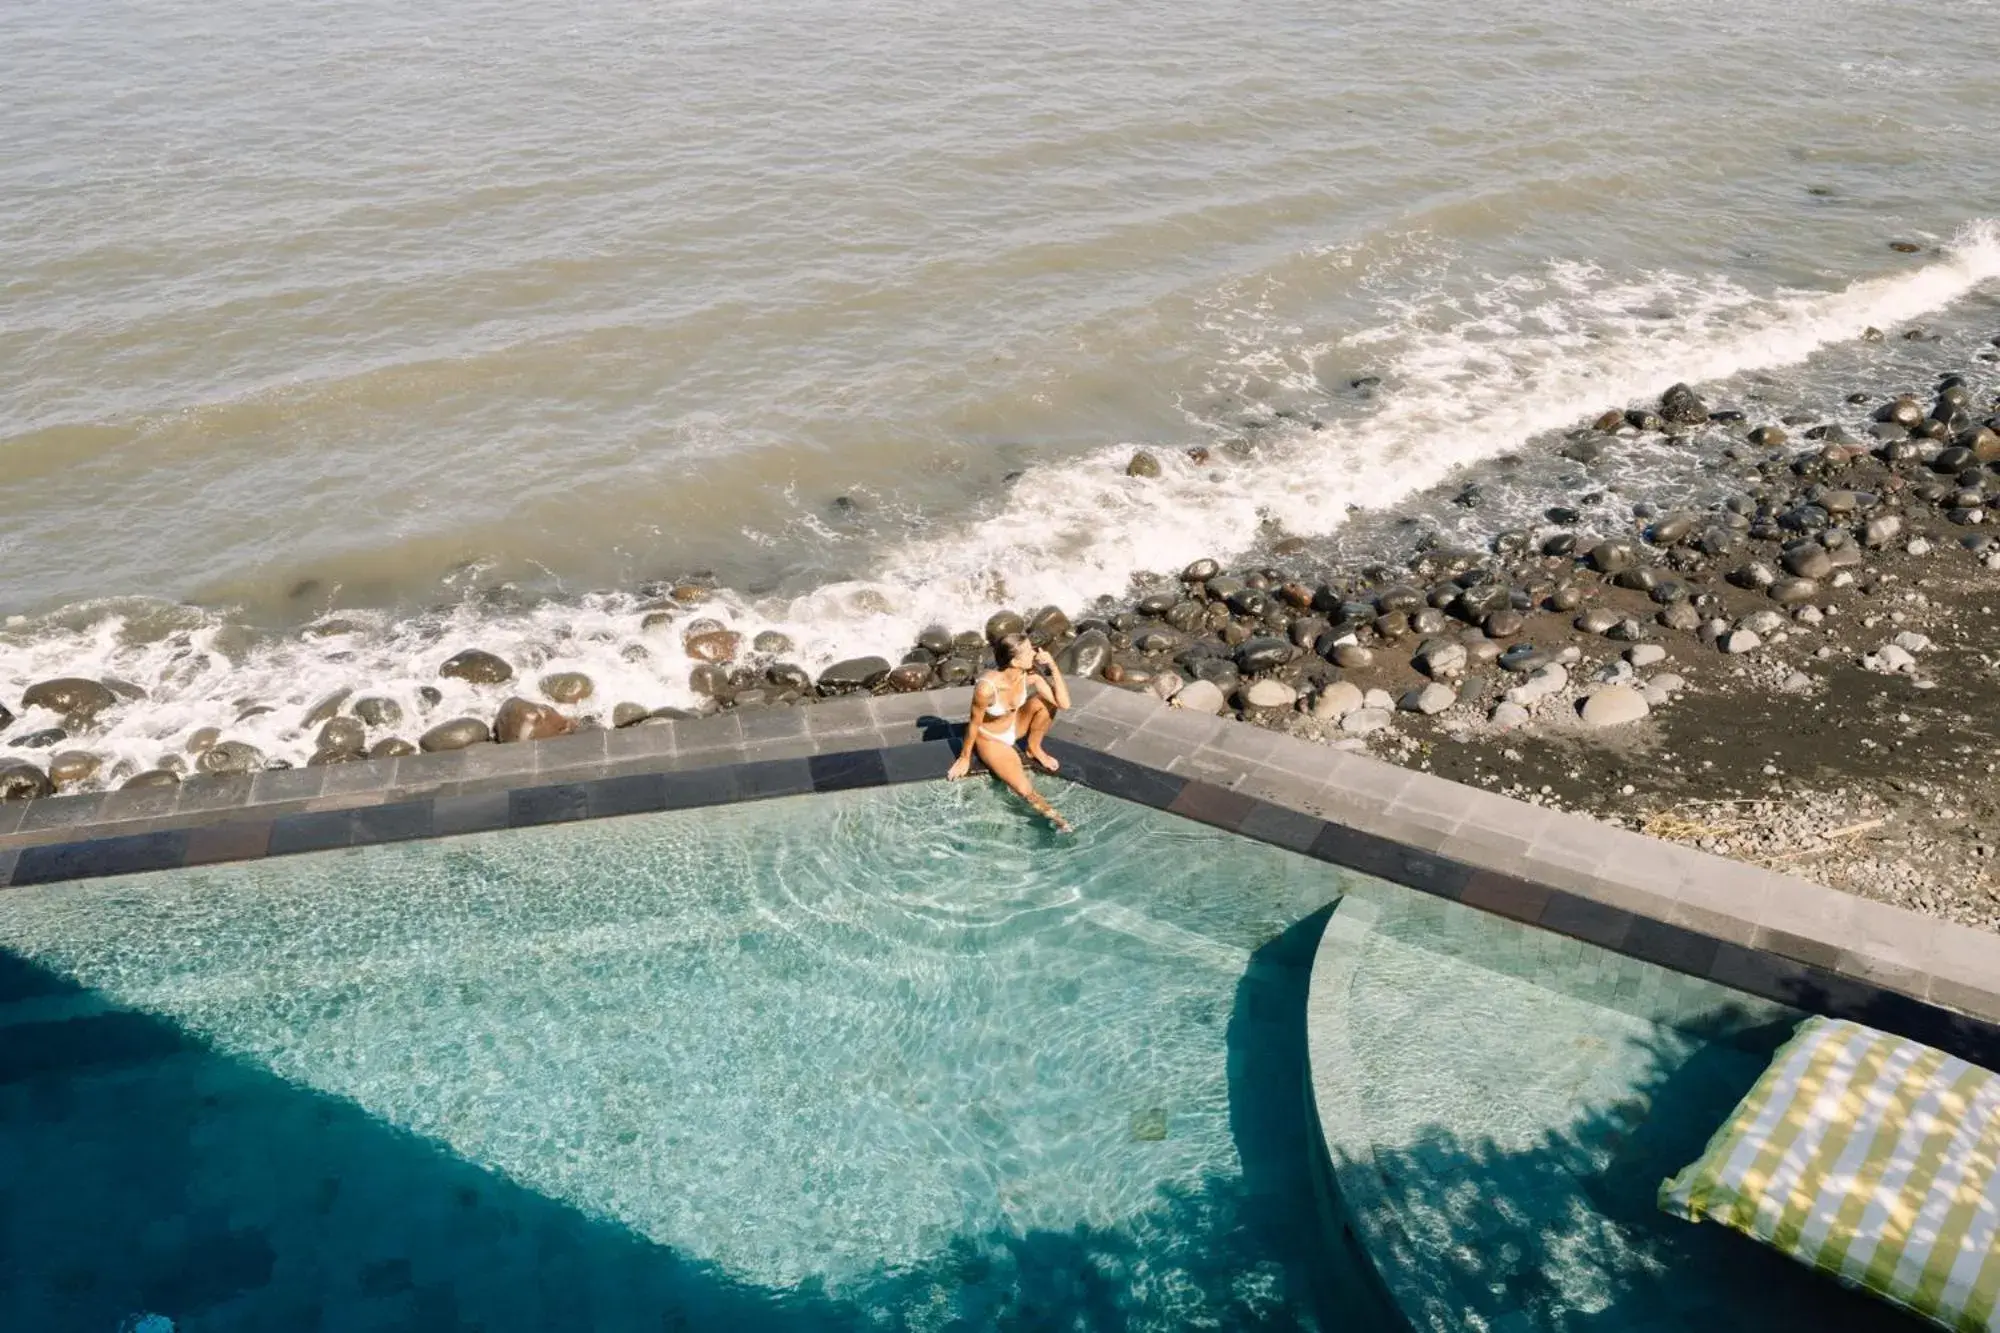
<point>824,1044</point>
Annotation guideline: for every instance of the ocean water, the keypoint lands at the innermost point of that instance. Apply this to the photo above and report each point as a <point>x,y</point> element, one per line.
<point>461,323</point>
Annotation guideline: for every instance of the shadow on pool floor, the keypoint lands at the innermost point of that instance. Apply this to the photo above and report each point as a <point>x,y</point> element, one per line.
<point>143,1171</point>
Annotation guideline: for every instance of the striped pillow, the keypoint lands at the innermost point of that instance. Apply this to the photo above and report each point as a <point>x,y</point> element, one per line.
<point>1872,1158</point>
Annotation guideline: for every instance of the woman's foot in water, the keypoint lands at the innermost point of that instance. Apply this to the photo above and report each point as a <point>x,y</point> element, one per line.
<point>1043,759</point>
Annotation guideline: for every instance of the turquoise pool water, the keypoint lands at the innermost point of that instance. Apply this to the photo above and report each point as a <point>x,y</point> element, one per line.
<point>892,1059</point>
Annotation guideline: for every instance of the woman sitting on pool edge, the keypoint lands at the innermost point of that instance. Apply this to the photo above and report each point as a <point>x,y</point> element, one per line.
<point>1017,702</point>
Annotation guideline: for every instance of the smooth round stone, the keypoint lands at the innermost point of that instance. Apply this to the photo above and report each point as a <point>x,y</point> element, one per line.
<point>391,747</point>
<point>1680,616</point>
<point>230,757</point>
<point>325,708</point>
<point>910,677</point>
<point>629,714</point>
<point>1269,695</point>
<point>777,645</point>
<point>865,673</point>
<point>1597,620</point>
<point>1612,557</point>
<point>1645,654</point>
<point>1429,699</point>
<point>477,666</point>
<point>1525,657</point>
<point>1002,623</point>
<point>69,767</point>
<point>1265,653</point>
<point>342,733</point>
<point>23,782</point>
<point>1363,721</point>
<point>1612,706</point>
<point>716,646</point>
<point>1353,657</point>
<point>1792,592</point>
<point>1440,658</point>
<point>152,777</point>
<point>375,711</point>
<point>1200,696</point>
<point>201,738</point>
<point>456,734</point>
<point>1568,597</point>
<point>1335,700</point>
<point>1505,624</point>
<point>1509,716</point>
<point>1739,641</point>
<point>524,720</point>
<point>1398,597</point>
<point>567,687</point>
<point>72,696</point>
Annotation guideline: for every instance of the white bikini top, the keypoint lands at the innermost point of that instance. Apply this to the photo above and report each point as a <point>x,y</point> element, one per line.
<point>999,709</point>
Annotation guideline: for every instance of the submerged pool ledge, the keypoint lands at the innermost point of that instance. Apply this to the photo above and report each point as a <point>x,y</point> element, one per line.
<point>1760,931</point>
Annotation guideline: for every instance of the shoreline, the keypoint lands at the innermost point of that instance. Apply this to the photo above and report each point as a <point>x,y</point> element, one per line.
<point>1792,677</point>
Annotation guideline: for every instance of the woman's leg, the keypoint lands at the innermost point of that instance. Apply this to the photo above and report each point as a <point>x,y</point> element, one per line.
<point>1005,763</point>
<point>1034,720</point>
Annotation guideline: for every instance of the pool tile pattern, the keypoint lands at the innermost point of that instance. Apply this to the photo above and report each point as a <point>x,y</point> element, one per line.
<point>1771,934</point>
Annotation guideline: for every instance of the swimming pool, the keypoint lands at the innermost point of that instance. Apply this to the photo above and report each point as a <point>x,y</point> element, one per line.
<point>896,1058</point>
<point>891,1058</point>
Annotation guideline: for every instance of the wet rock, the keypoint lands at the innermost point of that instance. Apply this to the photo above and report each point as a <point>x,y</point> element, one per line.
<point>521,719</point>
<point>1047,626</point>
<point>1903,411</point>
<point>1200,571</point>
<point>777,645</point>
<point>865,673</point>
<point>1002,623</point>
<point>230,757</point>
<point>1351,656</point>
<point>202,738</point>
<point>72,696</point>
<point>1641,420</point>
<point>716,646</point>
<point>69,767</point>
<point>23,782</point>
<point>567,687</point>
<point>1612,557</point>
<point>429,697</point>
<point>1143,464</point>
<point>1428,699</point>
<point>628,714</point>
<point>909,678</point>
<point>789,676</point>
<point>43,739</point>
<point>1767,437</point>
<point>342,733</point>
<point>391,747</point>
<point>1682,406</point>
<point>477,666</point>
<point>1671,530</point>
<point>456,734</point>
<point>1263,654</point>
<point>152,777</point>
<point>321,758</point>
<point>710,682</point>
<point>1609,423</point>
<point>325,708</point>
<point>1612,706</point>
<point>375,711</point>
<point>1086,655</point>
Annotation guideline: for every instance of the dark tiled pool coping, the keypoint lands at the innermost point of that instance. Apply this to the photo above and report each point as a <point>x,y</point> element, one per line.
<point>1771,934</point>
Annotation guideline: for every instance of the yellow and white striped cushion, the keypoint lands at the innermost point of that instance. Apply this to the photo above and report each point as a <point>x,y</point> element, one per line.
<point>1873,1159</point>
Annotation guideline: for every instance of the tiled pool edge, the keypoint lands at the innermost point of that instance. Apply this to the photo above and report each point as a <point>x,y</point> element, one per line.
<point>1760,931</point>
